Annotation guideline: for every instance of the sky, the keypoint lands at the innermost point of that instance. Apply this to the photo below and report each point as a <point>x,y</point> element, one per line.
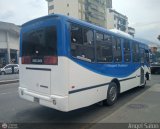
<point>143,15</point>
<point>21,11</point>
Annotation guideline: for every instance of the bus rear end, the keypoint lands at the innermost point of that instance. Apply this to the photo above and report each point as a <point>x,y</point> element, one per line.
<point>42,71</point>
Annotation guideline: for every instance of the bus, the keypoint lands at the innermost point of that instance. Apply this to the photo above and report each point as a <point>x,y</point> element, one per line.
<point>67,64</point>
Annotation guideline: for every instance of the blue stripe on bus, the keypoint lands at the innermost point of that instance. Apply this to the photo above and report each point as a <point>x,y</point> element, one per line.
<point>111,70</point>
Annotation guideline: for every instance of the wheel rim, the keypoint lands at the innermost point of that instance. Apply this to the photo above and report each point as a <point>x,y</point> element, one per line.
<point>113,93</point>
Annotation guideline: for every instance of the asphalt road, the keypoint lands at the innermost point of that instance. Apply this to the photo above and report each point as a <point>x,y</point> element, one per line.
<point>9,77</point>
<point>15,110</point>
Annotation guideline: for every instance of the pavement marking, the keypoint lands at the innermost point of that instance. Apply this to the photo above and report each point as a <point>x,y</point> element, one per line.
<point>8,84</point>
<point>3,93</point>
<point>8,93</point>
<point>9,81</point>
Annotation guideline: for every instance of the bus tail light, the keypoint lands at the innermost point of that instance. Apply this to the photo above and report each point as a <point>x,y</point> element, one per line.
<point>47,60</point>
<point>26,60</point>
<point>51,60</point>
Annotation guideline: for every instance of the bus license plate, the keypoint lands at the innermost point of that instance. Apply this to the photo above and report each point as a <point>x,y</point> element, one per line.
<point>36,100</point>
<point>37,60</point>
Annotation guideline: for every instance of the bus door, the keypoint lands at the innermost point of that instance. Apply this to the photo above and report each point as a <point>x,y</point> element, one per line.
<point>142,61</point>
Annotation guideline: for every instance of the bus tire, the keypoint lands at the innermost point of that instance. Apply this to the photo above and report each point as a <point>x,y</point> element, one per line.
<point>112,94</point>
<point>144,85</point>
<point>147,76</point>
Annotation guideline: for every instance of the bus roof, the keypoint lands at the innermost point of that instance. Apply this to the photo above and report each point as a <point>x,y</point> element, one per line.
<point>84,23</point>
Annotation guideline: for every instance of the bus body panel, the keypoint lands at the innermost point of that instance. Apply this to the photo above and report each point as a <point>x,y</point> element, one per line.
<point>38,80</point>
<point>91,87</point>
<point>56,102</point>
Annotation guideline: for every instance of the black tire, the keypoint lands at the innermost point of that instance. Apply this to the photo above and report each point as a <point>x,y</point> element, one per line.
<point>147,76</point>
<point>143,86</point>
<point>112,94</point>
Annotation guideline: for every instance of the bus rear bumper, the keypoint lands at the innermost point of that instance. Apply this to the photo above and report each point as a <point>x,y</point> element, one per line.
<point>53,101</point>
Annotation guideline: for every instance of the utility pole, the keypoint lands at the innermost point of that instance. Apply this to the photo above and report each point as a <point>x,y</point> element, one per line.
<point>8,49</point>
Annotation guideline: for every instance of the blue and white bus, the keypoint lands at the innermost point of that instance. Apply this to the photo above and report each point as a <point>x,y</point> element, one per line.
<point>67,64</point>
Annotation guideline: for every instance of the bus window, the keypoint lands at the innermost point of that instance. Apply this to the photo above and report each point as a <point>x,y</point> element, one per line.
<point>127,50</point>
<point>40,46</point>
<point>107,38</point>
<point>76,34</point>
<point>147,56</point>
<point>104,48</point>
<point>82,45</point>
<point>135,52</point>
<point>142,55</point>
<point>117,51</point>
<point>88,36</point>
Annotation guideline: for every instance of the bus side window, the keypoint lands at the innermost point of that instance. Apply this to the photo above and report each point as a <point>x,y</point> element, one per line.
<point>147,58</point>
<point>117,51</point>
<point>108,48</point>
<point>127,51</point>
<point>76,40</point>
<point>88,36</point>
<point>82,45</point>
<point>142,55</point>
<point>76,34</point>
<point>135,51</point>
<point>104,48</point>
<point>88,44</point>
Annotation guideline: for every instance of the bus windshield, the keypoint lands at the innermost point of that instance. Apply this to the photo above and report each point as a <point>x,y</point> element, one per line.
<point>39,45</point>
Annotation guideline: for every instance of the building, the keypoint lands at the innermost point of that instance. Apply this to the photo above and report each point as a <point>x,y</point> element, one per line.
<point>131,31</point>
<point>93,11</point>
<point>154,48</point>
<point>9,43</point>
<point>155,52</point>
<point>116,20</point>
<point>109,3</point>
<point>98,12</point>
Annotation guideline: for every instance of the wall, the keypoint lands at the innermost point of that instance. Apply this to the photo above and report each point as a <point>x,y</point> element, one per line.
<point>110,20</point>
<point>14,41</point>
<point>60,8</point>
<point>3,39</point>
<point>9,43</point>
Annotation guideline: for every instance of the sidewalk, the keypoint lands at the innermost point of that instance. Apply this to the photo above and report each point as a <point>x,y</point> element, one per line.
<point>143,109</point>
<point>9,77</point>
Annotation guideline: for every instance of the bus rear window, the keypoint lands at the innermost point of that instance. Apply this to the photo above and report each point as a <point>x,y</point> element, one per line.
<point>40,46</point>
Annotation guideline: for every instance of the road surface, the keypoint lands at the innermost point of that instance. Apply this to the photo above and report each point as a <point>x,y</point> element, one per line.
<point>15,110</point>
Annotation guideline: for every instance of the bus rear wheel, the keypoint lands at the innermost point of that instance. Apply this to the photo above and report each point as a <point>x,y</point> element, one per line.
<point>112,94</point>
<point>144,85</point>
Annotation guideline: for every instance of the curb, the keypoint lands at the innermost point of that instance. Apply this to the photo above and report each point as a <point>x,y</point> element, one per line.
<point>9,81</point>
